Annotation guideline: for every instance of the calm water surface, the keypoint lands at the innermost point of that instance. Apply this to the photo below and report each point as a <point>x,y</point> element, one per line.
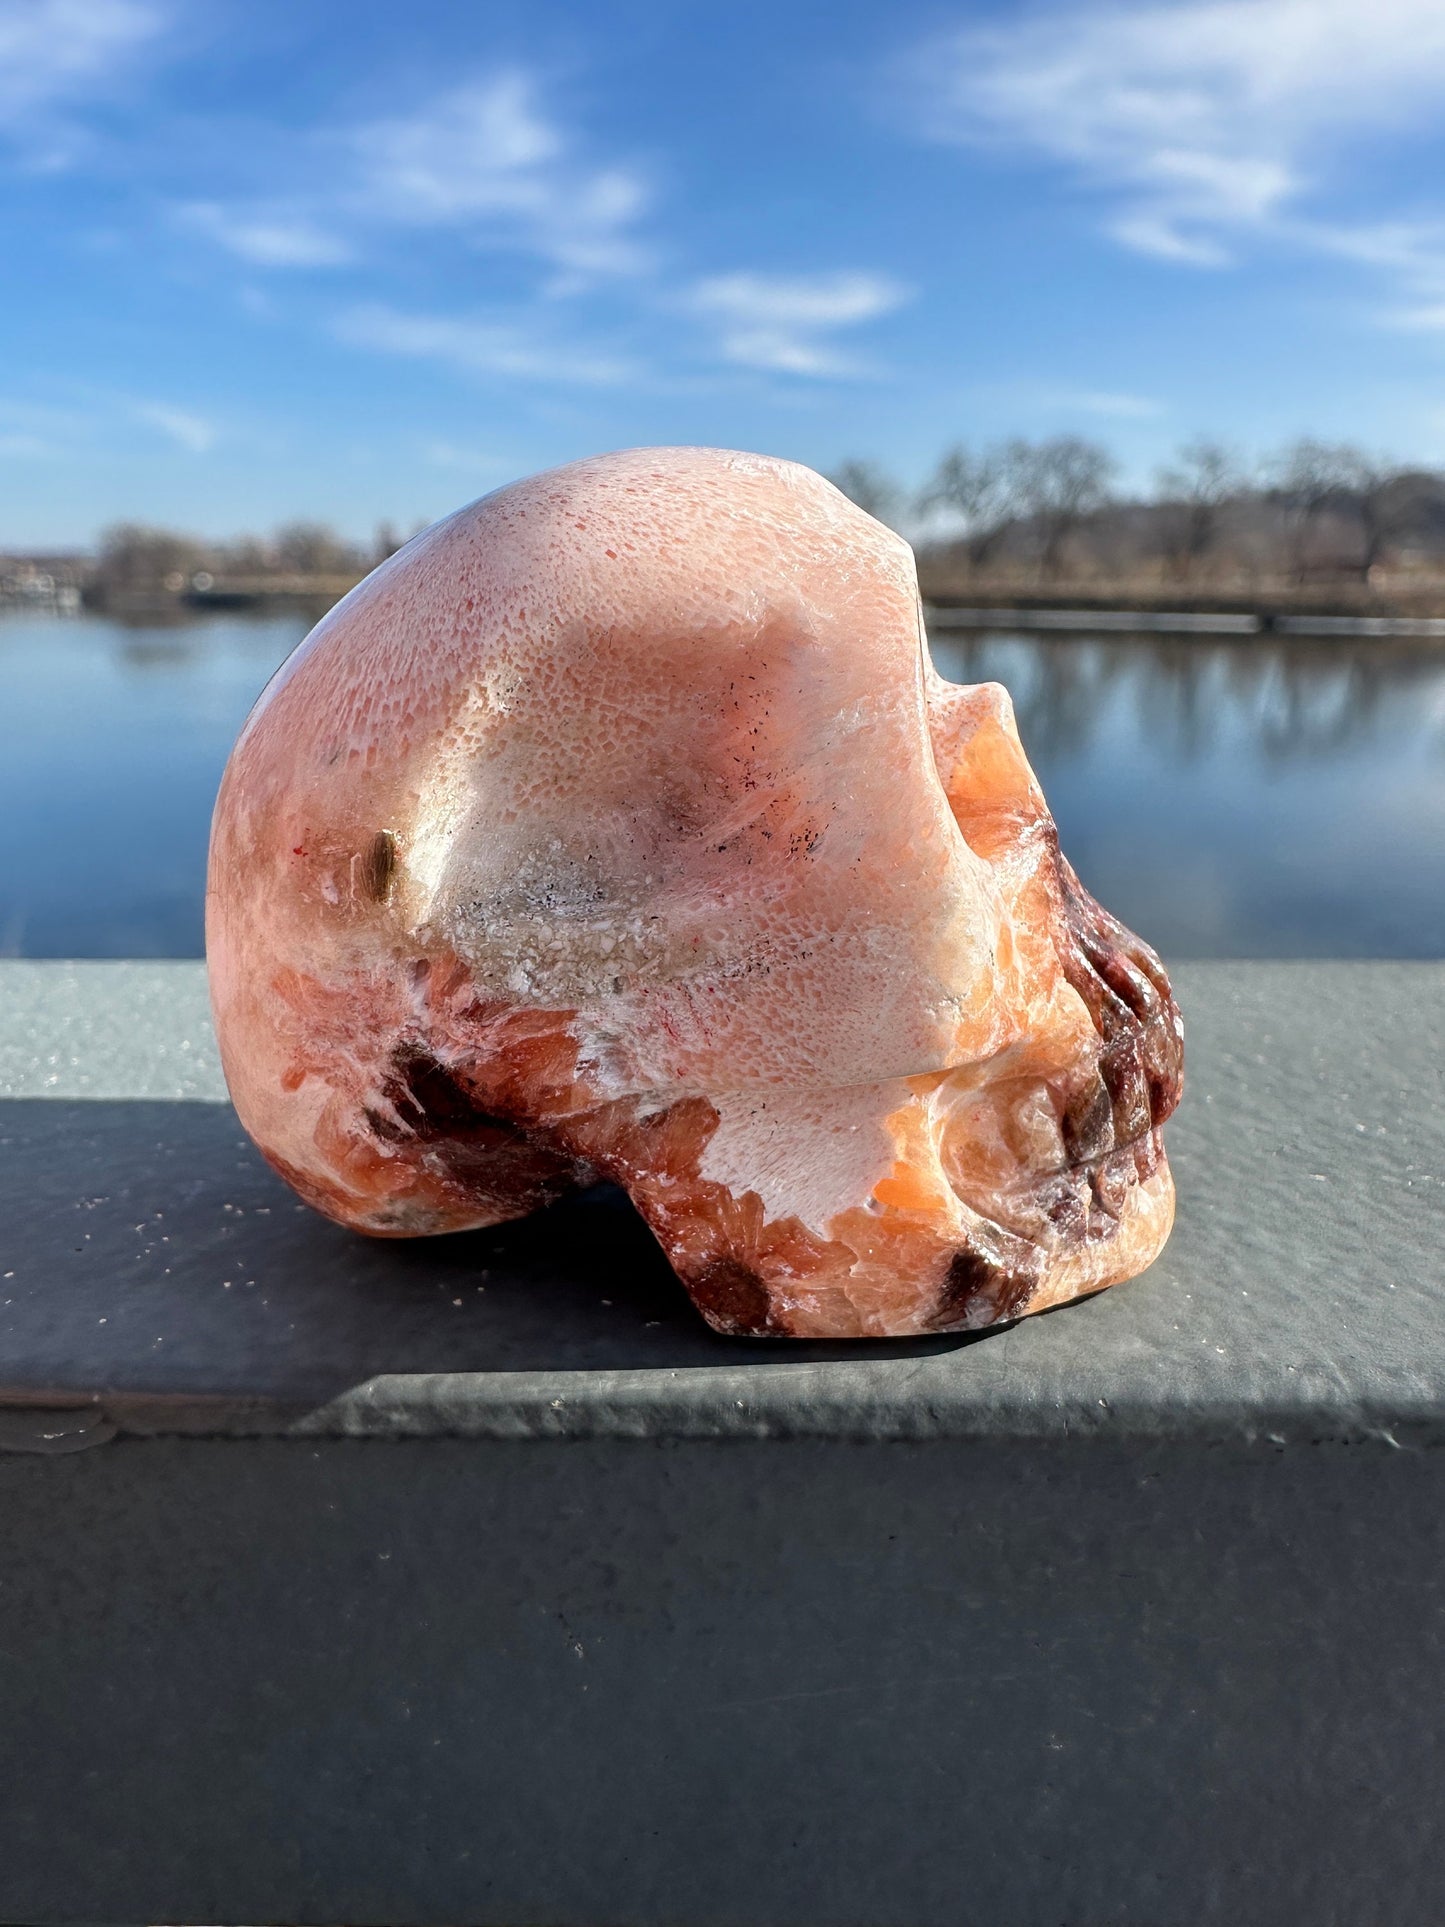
<point>1245,799</point>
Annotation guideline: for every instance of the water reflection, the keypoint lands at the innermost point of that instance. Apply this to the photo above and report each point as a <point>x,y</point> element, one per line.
<point>1296,701</point>
<point>1245,798</point>
<point>112,741</point>
<point>165,651</point>
<point>1241,798</point>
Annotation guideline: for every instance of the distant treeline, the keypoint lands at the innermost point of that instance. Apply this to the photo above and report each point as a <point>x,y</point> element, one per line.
<point>136,562</point>
<point>1017,512</point>
<point>1049,511</point>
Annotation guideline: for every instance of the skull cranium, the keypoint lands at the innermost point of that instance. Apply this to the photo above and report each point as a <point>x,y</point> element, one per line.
<point>620,827</point>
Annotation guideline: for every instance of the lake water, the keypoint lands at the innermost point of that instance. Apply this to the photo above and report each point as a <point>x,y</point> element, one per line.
<point>1248,799</point>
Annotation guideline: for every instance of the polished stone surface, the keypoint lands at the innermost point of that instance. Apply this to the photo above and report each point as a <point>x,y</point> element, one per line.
<point>619,827</point>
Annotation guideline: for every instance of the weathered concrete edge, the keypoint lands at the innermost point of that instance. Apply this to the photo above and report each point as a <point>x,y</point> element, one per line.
<point>548,1408</point>
<point>632,1404</point>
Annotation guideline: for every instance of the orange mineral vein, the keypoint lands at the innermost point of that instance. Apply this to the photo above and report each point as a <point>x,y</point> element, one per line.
<point>620,827</point>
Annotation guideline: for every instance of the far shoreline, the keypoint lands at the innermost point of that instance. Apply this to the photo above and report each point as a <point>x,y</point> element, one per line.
<point>1083,607</point>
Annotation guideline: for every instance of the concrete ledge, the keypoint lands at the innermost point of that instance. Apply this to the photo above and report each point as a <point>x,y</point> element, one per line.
<point>155,1267</point>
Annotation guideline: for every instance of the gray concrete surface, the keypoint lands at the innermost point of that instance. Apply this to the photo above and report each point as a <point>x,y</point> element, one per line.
<point>722,1683</point>
<point>107,1030</point>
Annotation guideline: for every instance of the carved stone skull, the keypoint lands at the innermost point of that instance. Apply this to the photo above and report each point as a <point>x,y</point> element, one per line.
<point>620,827</point>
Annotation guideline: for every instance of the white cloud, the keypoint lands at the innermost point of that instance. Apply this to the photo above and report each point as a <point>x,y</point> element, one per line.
<point>818,301</point>
<point>45,431</point>
<point>1046,406</point>
<point>54,54</point>
<point>267,238</point>
<point>97,418</point>
<point>778,323</point>
<point>471,461</point>
<point>1119,407</point>
<point>187,431</point>
<point>1412,253</point>
<point>1205,122</point>
<point>480,347</point>
<point>45,418</point>
<point>474,150</point>
<point>1156,234</point>
<point>27,448</point>
<point>1427,319</point>
<point>487,155</point>
<point>484,159</point>
<point>53,50</point>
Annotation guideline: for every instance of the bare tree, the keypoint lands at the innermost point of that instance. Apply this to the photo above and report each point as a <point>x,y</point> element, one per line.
<point>1309,477</point>
<point>1058,483</point>
<point>871,487</point>
<point>311,548</point>
<point>980,489</point>
<point>135,560</point>
<point>1381,494</point>
<point>1410,510</point>
<point>243,555</point>
<point>1204,478</point>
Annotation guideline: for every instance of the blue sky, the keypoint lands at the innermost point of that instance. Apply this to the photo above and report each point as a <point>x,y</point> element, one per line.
<point>349,259</point>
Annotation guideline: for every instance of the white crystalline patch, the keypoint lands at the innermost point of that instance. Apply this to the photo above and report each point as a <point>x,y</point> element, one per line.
<point>808,1156</point>
<point>432,836</point>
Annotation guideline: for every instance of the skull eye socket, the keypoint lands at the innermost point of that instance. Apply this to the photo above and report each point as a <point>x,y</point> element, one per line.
<point>378,865</point>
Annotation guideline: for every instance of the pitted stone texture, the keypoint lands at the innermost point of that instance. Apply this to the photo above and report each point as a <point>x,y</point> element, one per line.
<point>619,826</point>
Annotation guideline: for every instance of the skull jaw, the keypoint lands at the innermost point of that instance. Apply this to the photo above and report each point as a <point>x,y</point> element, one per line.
<point>971,1288</point>
<point>909,1256</point>
<point>912,1262</point>
<point>967,1287</point>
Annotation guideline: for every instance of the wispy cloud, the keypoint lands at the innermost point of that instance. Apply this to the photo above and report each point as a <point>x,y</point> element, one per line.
<point>28,448</point>
<point>782,324</point>
<point>1200,125</point>
<point>1117,407</point>
<point>54,54</point>
<point>266,237</point>
<point>488,155</point>
<point>178,425</point>
<point>486,160</point>
<point>89,418</point>
<point>467,461</point>
<point>1412,253</point>
<point>1425,318</point>
<point>481,347</point>
<point>1043,407</point>
<point>47,419</point>
<point>495,165</point>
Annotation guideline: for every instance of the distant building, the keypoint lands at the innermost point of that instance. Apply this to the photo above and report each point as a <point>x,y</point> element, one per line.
<point>49,582</point>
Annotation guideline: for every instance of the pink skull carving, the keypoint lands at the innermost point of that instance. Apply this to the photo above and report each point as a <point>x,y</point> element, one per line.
<point>620,827</point>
